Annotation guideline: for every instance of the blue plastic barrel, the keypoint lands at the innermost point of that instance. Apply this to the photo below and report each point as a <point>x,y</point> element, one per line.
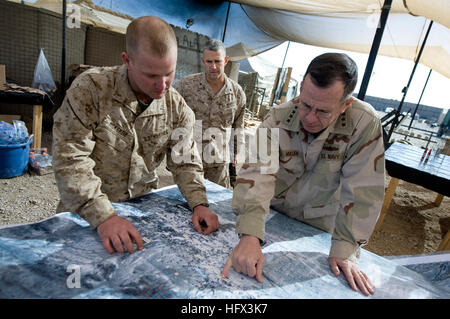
<point>14,159</point>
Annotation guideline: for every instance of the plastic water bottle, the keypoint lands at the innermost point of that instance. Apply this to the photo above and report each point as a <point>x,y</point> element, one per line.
<point>13,134</point>
<point>21,132</point>
<point>2,128</point>
<point>6,133</point>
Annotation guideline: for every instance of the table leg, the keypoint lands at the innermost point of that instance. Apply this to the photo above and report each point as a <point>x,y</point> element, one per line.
<point>37,125</point>
<point>438,200</point>
<point>445,245</point>
<point>387,200</point>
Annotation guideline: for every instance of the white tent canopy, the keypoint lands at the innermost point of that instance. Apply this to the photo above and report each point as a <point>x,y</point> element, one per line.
<point>436,10</point>
<point>255,26</point>
<point>351,25</point>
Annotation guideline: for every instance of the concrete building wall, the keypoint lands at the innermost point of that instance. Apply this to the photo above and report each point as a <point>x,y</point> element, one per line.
<point>190,48</point>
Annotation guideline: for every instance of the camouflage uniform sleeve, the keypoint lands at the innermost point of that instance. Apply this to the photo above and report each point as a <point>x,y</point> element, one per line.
<point>73,143</point>
<point>255,185</point>
<point>362,192</point>
<point>238,125</point>
<point>183,158</point>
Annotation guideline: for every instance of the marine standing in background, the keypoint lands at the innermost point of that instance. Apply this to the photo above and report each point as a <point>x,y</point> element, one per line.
<point>219,103</point>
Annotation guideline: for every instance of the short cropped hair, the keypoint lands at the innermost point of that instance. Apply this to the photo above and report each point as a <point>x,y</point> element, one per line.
<point>327,68</point>
<point>151,34</point>
<point>215,45</point>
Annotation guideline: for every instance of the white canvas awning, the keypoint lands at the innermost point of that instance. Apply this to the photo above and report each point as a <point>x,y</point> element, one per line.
<point>351,25</point>
<point>436,10</point>
<point>254,26</point>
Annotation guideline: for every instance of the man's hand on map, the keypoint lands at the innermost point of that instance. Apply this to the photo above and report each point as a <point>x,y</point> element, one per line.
<point>118,234</point>
<point>246,258</point>
<point>204,220</point>
<point>353,274</point>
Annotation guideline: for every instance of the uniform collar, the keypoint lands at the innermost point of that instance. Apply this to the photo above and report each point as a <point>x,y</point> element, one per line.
<point>125,95</point>
<point>342,125</point>
<point>226,88</point>
<point>290,119</point>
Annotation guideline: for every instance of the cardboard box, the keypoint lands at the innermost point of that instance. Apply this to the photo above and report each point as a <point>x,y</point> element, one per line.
<point>2,75</point>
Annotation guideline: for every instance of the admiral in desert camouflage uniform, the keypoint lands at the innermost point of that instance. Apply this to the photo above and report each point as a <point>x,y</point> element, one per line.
<point>330,174</point>
<point>218,102</point>
<point>114,128</point>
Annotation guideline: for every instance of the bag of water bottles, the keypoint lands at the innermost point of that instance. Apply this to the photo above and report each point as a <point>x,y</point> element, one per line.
<point>15,133</point>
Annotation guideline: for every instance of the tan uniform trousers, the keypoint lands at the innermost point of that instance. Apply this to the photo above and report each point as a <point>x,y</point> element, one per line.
<point>218,174</point>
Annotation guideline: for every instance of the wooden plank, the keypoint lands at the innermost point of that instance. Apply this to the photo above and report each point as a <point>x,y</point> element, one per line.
<point>274,89</point>
<point>438,200</point>
<point>387,200</point>
<point>9,118</point>
<point>286,85</point>
<point>37,125</point>
<point>2,75</point>
<point>445,245</point>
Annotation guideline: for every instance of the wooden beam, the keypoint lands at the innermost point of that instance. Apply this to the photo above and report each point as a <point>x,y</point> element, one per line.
<point>438,200</point>
<point>387,200</point>
<point>274,89</point>
<point>2,75</point>
<point>9,118</point>
<point>445,245</point>
<point>286,85</point>
<point>37,125</point>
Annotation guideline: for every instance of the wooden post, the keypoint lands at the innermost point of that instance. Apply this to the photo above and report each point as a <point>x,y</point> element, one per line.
<point>387,200</point>
<point>2,75</point>
<point>286,85</point>
<point>275,84</point>
<point>438,200</point>
<point>37,125</point>
<point>445,245</point>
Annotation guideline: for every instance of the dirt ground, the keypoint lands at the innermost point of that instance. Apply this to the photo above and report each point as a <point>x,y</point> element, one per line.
<point>413,225</point>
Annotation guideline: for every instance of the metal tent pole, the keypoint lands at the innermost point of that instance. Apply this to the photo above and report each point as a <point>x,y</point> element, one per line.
<point>285,54</point>
<point>63,51</point>
<point>226,22</point>
<point>374,50</point>
<point>418,103</point>
<point>405,89</point>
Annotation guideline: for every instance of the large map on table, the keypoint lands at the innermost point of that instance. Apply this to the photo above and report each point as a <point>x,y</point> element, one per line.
<point>61,257</point>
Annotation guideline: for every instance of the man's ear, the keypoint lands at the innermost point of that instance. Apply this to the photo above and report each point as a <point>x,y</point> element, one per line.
<point>227,58</point>
<point>125,59</point>
<point>347,103</point>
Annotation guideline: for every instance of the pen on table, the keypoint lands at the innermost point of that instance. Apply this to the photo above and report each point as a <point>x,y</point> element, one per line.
<point>424,153</point>
<point>429,152</point>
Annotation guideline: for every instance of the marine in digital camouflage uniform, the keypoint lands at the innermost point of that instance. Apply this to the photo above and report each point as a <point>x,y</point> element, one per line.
<point>222,108</point>
<point>331,177</point>
<point>106,150</point>
<point>115,126</point>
